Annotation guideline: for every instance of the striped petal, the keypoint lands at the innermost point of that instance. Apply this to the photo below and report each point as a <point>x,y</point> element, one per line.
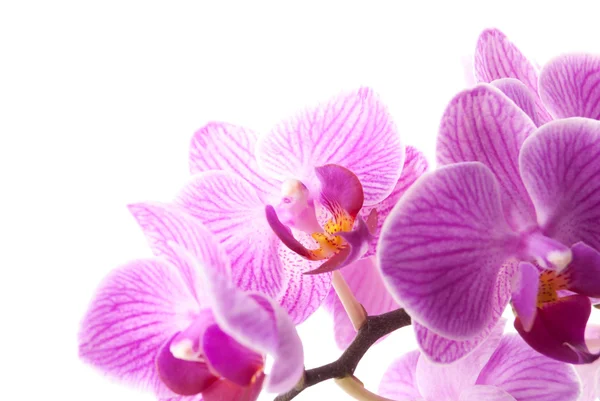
<point>366,284</point>
<point>519,93</point>
<point>487,393</point>
<point>398,382</point>
<point>528,375</point>
<point>442,249</point>
<point>353,130</point>
<point>561,170</point>
<point>482,124</point>
<point>136,310</point>
<point>222,146</point>
<point>496,57</point>
<point>231,209</point>
<point>414,167</point>
<point>570,86</point>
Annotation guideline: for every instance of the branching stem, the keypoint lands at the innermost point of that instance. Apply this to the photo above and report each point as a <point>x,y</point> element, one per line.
<point>374,328</point>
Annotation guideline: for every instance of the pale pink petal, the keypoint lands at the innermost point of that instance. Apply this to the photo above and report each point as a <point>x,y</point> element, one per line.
<point>135,311</point>
<point>230,208</point>
<point>399,381</point>
<point>366,284</point>
<point>443,247</point>
<point>222,146</point>
<point>519,93</point>
<point>353,130</point>
<point>302,294</point>
<point>485,393</point>
<point>559,166</point>
<point>570,86</point>
<point>257,323</point>
<point>451,379</point>
<point>166,226</point>
<point>496,57</point>
<point>414,166</point>
<point>482,124</point>
<point>528,375</point>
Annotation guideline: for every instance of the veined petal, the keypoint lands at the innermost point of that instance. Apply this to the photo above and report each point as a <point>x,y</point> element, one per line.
<point>558,330</point>
<point>135,311</point>
<point>528,375</point>
<point>302,294</point>
<point>584,271</point>
<point>482,124</point>
<point>589,374</point>
<point>366,284</point>
<point>487,393</point>
<point>414,167</point>
<point>399,379</point>
<point>230,208</point>
<point>560,169</point>
<point>222,146</point>
<point>525,294</point>
<point>257,323</point>
<point>570,86</point>
<point>168,226</point>
<point>353,130</point>
<point>452,379</point>
<point>443,246</point>
<point>496,57</point>
<point>519,93</point>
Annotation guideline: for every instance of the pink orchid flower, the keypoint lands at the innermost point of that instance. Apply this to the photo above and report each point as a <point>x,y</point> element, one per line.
<point>174,324</point>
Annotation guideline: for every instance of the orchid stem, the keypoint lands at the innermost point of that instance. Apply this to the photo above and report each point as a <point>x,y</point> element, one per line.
<point>355,389</point>
<point>355,311</point>
<point>374,328</point>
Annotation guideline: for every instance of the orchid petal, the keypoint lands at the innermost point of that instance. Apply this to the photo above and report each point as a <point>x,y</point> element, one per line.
<point>516,91</point>
<point>525,293</point>
<point>584,271</point>
<point>589,374</point>
<point>443,246</point>
<point>167,225</point>
<point>181,376</point>
<point>224,390</point>
<point>341,190</point>
<point>220,350</point>
<point>353,130</point>
<point>399,379</point>
<point>496,57</point>
<point>570,86</point>
<point>303,293</point>
<point>487,393</point>
<point>222,146</point>
<point>136,310</point>
<point>528,375</point>
<point>452,379</point>
<point>558,330</point>
<point>481,124</point>
<point>232,211</point>
<point>257,323</point>
<point>414,167</point>
<point>559,166</point>
<point>366,284</point>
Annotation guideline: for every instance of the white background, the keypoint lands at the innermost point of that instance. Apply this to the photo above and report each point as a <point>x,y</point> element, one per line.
<point>98,102</point>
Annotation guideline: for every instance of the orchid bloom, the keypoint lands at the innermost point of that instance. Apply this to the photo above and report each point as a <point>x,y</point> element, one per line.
<point>174,323</point>
<point>509,193</point>
<point>328,161</point>
<point>566,86</point>
<point>502,368</point>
